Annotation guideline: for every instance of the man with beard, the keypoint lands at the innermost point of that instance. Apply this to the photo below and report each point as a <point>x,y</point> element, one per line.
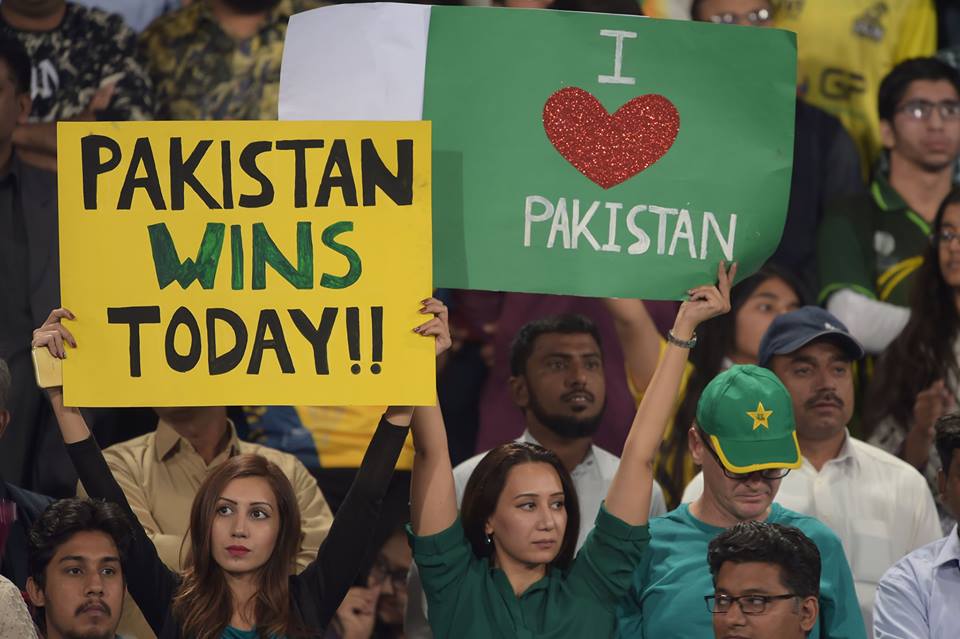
<point>76,555</point>
<point>219,59</point>
<point>557,380</point>
<point>879,505</point>
<point>871,245</point>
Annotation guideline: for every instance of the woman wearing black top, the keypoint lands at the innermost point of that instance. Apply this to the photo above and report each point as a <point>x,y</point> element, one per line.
<point>242,526</point>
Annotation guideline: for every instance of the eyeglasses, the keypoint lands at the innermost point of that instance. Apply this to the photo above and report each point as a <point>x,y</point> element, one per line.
<point>381,571</point>
<point>946,237</point>
<point>749,604</point>
<point>758,16</point>
<point>766,473</point>
<point>923,109</point>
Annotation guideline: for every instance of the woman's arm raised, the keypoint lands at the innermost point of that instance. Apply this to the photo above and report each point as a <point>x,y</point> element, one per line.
<point>433,499</point>
<point>628,497</point>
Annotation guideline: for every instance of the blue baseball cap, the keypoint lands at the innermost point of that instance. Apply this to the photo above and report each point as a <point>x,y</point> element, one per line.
<point>792,331</point>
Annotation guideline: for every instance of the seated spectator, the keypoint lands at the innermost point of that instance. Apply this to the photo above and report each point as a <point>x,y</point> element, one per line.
<point>18,508</point>
<point>825,160</point>
<point>160,473</point>
<point>918,596</point>
<point>871,246</point>
<point>730,339</point>
<point>916,380</point>
<point>559,383</point>
<point>219,59</point>
<point>245,529</point>
<point>15,621</point>
<point>745,441</point>
<point>766,580</point>
<point>84,68</point>
<point>843,482</point>
<point>506,566</point>
<point>78,551</point>
<point>375,611</point>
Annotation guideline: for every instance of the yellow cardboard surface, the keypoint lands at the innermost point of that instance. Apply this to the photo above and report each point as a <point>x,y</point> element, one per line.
<point>111,261</point>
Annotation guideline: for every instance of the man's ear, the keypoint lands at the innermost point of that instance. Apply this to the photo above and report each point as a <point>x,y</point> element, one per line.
<point>809,609</point>
<point>4,421</point>
<point>25,102</point>
<point>696,445</point>
<point>35,593</point>
<point>941,480</point>
<point>888,137</point>
<point>519,391</point>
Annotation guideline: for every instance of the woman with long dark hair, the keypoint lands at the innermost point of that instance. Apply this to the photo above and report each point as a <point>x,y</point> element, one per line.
<point>506,567</point>
<point>917,378</point>
<point>733,338</point>
<point>239,580</point>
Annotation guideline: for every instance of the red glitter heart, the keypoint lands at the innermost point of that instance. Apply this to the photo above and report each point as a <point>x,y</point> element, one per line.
<point>609,149</point>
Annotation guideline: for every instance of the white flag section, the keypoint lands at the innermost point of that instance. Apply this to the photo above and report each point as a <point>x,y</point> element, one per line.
<point>355,62</point>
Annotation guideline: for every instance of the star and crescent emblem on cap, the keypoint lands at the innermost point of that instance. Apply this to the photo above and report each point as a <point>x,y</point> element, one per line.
<point>760,416</point>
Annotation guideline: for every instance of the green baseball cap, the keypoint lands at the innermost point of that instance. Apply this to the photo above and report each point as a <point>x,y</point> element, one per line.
<point>747,413</point>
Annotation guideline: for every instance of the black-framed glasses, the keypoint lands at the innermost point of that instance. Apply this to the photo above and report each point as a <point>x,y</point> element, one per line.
<point>946,237</point>
<point>923,109</point>
<point>766,473</point>
<point>381,571</point>
<point>749,604</point>
<point>755,17</point>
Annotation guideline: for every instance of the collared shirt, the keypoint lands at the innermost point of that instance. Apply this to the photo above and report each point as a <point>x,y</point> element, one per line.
<point>471,599</point>
<point>666,598</point>
<point>879,506</point>
<point>872,244</point>
<point>919,597</point>
<point>591,478</point>
<point>202,73</point>
<point>160,473</point>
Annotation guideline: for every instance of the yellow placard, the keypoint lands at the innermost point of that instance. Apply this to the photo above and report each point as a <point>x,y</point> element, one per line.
<point>246,263</point>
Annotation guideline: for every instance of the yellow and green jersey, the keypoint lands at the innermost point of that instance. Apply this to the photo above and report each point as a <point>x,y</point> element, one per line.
<point>846,47</point>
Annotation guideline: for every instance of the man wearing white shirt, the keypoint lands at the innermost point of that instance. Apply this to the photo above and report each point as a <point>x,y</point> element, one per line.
<point>879,506</point>
<point>557,380</point>
<point>917,598</point>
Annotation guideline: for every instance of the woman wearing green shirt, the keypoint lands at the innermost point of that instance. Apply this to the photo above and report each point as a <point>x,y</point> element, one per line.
<point>505,567</point>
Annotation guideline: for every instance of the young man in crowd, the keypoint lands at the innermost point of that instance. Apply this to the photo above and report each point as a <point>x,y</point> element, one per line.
<point>161,471</point>
<point>84,67</point>
<point>557,380</point>
<point>18,508</point>
<point>77,550</point>
<point>870,246</point>
<point>879,505</point>
<point>219,59</point>
<point>766,582</point>
<point>918,596</point>
<point>745,441</point>
<point>826,165</point>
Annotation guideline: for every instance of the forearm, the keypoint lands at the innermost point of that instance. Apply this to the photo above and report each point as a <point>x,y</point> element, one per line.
<point>639,338</point>
<point>875,324</point>
<point>37,136</point>
<point>628,498</point>
<point>433,501</point>
<point>73,427</point>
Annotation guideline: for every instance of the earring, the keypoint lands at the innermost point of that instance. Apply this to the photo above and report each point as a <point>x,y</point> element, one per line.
<point>489,539</point>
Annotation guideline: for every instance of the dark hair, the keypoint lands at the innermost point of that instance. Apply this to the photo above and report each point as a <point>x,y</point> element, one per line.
<point>67,517</point>
<point>896,83</point>
<point>923,352</point>
<point>716,339</point>
<point>784,546</point>
<point>696,4</point>
<point>522,346</point>
<point>948,439</point>
<point>203,605</point>
<point>15,55</point>
<point>5,383</point>
<point>483,490</point>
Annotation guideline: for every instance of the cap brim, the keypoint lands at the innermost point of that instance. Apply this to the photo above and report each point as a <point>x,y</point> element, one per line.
<point>751,456</point>
<point>849,345</point>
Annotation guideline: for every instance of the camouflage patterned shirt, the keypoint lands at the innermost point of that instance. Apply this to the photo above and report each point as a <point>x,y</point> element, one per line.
<point>90,49</point>
<point>202,73</point>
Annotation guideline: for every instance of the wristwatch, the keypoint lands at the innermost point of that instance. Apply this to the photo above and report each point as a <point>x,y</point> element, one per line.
<point>682,343</point>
